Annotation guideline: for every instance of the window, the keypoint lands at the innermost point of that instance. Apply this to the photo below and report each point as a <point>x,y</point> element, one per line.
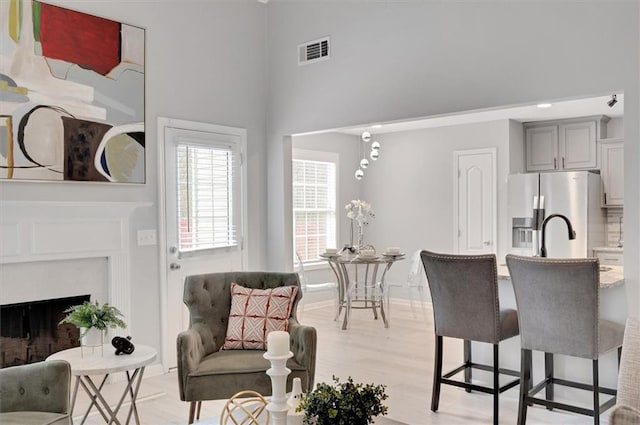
<point>314,203</point>
<point>207,196</point>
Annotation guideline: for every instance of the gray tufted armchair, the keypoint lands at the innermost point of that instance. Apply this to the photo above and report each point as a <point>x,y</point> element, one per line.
<point>207,373</point>
<point>35,394</point>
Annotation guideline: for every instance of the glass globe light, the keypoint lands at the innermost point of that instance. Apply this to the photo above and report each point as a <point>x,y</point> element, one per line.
<point>359,174</point>
<point>366,136</point>
<point>375,145</point>
<point>375,154</point>
<point>364,163</point>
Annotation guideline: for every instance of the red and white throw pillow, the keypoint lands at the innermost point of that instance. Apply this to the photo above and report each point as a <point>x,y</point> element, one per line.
<point>255,313</point>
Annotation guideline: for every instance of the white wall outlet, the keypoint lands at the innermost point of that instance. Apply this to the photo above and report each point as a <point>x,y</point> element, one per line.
<point>147,237</point>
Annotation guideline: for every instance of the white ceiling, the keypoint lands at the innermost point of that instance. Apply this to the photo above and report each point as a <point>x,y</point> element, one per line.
<point>526,113</point>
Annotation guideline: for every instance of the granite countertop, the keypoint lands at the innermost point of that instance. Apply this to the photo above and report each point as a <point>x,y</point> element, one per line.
<point>615,249</point>
<point>609,275</point>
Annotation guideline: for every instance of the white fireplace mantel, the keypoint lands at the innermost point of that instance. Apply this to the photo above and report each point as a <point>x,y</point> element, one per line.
<point>58,230</point>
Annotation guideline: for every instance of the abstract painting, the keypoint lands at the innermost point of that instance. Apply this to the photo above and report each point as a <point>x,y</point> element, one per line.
<point>71,96</point>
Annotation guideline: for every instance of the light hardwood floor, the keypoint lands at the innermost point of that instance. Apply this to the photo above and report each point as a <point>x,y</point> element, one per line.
<point>400,357</point>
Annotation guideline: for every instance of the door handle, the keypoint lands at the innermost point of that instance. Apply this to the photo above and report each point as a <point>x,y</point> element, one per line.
<point>174,266</point>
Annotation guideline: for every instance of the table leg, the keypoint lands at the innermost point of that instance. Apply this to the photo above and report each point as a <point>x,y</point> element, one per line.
<point>134,394</point>
<point>382,313</point>
<point>101,399</point>
<point>93,396</point>
<point>384,295</point>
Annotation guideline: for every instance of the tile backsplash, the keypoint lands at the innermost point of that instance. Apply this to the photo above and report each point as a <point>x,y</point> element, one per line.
<point>615,227</point>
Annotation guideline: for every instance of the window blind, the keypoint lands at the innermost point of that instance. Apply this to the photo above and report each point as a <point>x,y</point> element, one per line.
<point>208,179</point>
<point>314,207</point>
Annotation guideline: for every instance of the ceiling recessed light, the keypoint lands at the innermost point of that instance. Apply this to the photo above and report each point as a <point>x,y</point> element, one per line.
<point>544,105</point>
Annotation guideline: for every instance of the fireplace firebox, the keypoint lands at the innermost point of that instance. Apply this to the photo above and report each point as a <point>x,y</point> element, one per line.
<point>31,331</point>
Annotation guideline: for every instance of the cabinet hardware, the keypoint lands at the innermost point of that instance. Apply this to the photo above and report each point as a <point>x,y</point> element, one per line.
<point>605,198</point>
<point>563,162</point>
<point>555,163</point>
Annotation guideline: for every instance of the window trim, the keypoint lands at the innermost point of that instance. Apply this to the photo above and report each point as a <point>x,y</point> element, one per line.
<point>320,156</point>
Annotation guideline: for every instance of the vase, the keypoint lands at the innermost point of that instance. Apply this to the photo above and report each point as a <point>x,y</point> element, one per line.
<point>296,394</point>
<point>90,340</point>
<point>360,236</point>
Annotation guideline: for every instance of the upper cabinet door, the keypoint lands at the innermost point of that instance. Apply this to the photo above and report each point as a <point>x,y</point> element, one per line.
<point>577,146</point>
<point>613,174</point>
<point>542,148</point>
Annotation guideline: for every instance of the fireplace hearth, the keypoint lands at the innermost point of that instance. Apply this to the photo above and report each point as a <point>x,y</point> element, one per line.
<point>30,331</point>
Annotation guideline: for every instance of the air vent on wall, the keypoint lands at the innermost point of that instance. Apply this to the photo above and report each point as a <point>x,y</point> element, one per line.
<point>313,51</point>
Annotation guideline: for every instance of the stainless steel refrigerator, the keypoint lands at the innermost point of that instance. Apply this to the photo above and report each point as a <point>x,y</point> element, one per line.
<point>574,194</point>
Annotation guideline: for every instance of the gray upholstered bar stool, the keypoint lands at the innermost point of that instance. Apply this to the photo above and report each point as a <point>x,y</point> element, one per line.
<point>464,294</point>
<point>557,303</point>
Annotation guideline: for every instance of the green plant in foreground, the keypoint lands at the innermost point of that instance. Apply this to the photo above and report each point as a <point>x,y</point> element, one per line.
<point>91,315</point>
<point>344,403</point>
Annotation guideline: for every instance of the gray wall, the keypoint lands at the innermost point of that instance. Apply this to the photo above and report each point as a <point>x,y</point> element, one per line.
<point>404,60</point>
<point>204,62</point>
<point>411,187</point>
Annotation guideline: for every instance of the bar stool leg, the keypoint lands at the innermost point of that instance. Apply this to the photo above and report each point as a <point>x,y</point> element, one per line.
<point>596,394</point>
<point>548,373</point>
<point>437,375</point>
<point>467,362</point>
<point>525,378</point>
<point>496,383</point>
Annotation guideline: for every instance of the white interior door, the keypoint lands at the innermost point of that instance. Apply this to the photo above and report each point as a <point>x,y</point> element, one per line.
<point>203,200</point>
<point>475,201</point>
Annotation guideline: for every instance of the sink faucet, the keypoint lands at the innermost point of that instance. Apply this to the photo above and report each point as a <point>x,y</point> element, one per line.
<point>572,233</point>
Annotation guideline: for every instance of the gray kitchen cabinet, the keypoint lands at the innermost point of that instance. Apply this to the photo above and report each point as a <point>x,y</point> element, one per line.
<point>563,144</point>
<point>612,172</point>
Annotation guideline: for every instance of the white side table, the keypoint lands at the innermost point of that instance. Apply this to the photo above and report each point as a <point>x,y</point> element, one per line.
<point>95,364</point>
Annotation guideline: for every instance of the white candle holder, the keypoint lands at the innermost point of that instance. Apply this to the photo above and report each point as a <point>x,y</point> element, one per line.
<point>278,373</point>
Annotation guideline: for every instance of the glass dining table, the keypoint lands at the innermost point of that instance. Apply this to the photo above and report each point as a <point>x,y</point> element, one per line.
<point>361,283</point>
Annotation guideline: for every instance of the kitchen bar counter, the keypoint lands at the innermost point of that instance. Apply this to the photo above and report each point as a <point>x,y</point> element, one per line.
<point>612,306</point>
<point>610,276</point>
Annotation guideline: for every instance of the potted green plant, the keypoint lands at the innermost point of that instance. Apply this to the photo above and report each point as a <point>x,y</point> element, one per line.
<point>93,320</point>
<point>346,403</point>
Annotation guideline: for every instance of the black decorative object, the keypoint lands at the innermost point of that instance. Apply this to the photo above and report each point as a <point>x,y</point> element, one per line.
<point>122,345</point>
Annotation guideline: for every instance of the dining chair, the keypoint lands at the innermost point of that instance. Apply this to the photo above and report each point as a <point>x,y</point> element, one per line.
<point>311,287</point>
<point>464,295</point>
<point>415,282</point>
<point>558,308</point>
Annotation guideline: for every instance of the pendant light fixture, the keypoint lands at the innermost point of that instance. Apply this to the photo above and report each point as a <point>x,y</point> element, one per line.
<point>374,153</point>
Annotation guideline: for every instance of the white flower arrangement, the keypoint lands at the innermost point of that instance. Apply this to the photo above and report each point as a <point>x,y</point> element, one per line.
<point>360,211</point>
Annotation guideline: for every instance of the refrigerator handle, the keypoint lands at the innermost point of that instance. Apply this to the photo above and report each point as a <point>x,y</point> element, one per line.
<point>538,212</point>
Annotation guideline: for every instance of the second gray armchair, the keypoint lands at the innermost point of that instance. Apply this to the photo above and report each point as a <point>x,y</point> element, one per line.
<point>35,394</point>
<point>205,372</point>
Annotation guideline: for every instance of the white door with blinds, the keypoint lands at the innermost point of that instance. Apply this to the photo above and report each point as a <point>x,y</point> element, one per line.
<point>204,214</point>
